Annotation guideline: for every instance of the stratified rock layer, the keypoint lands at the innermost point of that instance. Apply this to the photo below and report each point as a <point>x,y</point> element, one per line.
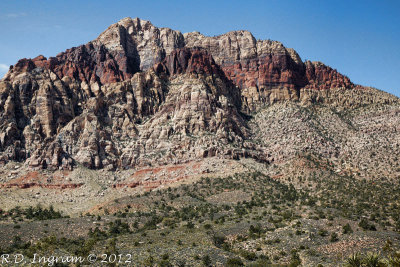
<point>142,95</point>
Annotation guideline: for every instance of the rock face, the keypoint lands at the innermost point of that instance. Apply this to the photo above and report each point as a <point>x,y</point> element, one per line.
<point>138,44</point>
<point>265,71</point>
<point>141,95</point>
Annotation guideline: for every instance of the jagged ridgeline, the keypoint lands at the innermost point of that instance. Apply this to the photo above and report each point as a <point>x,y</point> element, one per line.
<point>141,95</point>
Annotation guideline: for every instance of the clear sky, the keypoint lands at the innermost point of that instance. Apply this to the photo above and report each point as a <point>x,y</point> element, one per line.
<point>359,38</point>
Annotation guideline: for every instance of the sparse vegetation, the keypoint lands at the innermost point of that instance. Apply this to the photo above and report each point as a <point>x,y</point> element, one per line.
<point>210,222</point>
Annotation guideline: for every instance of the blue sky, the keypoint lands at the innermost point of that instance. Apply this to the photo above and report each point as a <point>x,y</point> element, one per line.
<point>359,38</point>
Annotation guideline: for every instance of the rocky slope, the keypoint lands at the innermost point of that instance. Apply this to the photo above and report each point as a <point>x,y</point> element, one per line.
<point>139,95</point>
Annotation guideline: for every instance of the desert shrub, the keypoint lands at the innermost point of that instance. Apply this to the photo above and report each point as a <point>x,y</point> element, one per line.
<point>393,260</point>
<point>354,260</point>
<point>255,230</point>
<point>207,226</point>
<point>190,225</point>
<point>373,260</point>
<point>164,262</point>
<point>294,259</point>
<point>366,225</point>
<point>206,260</point>
<point>251,256</point>
<point>33,213</point>
<point>347,229</point>
<point>118,227</point>
<point>217,239</point>
<point>152,223</point>
<point>149,261</point>
<point>323,232</point>
<point>97,233</point>
<point>262,261</point>
<point>334,237</point>
<point>180,263</point>
<point>234,262</point>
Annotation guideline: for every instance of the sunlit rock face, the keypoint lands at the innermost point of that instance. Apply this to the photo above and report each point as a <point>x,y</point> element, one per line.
<point>141,95</point>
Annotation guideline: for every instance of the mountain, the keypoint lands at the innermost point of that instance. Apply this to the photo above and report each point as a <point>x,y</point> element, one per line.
<point>188,149</point>
<point>141,95</point>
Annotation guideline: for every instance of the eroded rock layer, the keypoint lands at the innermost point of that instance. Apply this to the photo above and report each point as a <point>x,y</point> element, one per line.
<point>141,95</point>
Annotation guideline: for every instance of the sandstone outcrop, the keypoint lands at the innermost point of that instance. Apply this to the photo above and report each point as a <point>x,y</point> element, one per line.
<point>139,95</point>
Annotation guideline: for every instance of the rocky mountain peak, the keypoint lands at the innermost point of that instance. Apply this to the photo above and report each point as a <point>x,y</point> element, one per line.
<point>140,41</point>
<point>141,95</point>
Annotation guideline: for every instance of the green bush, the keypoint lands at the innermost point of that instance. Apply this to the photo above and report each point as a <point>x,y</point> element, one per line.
<point>294,259</point>
<point>334,237</point>
<point>354,260</point>
<point>118,227</point>
<point>251,256</point>
<point>234,262</point>
<point>347,229</point>
<point>373,260</point>
<point>206,260</point>
<point>366,225</point>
